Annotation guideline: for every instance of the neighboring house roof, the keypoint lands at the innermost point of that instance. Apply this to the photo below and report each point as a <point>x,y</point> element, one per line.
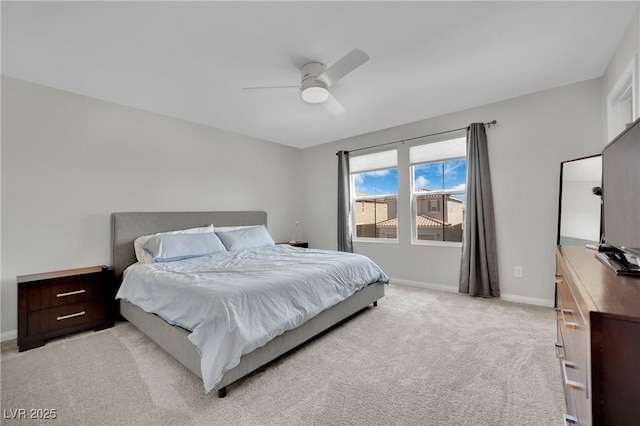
<point>422,221</point>
<point>382,197</point>
<point>449,196</point>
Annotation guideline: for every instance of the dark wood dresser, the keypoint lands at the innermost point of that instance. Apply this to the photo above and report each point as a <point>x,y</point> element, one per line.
<point>302,244</point>
<point>57,303</point>
<point>598,341</point>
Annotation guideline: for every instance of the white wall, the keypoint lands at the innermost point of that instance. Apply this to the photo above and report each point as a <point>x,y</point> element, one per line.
<point>533,135</point>
<point>69,161</point>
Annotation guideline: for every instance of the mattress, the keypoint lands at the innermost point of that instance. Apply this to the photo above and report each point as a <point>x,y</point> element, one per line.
<point>234,302</point>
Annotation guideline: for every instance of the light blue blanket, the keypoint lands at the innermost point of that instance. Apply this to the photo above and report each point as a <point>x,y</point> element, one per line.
<point>234,302</point>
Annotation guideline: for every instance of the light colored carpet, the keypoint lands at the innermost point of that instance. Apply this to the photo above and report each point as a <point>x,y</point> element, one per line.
<point>420,357</point>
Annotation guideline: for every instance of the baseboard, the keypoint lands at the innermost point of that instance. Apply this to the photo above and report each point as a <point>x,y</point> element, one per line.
<point>8,335</point>
<point>454,289</point>
<point>528,300</point>
<point>429,286</point>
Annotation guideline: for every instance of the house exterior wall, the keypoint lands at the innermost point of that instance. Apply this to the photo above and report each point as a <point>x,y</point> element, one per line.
<point>367,214</point>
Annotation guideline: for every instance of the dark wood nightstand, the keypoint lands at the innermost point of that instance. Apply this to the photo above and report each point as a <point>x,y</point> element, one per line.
<point>57,303</point>
<point>302,244</point>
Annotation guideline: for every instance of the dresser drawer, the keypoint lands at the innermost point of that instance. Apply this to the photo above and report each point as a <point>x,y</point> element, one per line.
<point>604,342</point>
<point>569,394</point>
<point>65,292</point>
<point>568,311</point>
<point>573,336</point>
<point>60,317</point>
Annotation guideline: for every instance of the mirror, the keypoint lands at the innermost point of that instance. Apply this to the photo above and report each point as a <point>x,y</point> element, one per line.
<point>580,209</point>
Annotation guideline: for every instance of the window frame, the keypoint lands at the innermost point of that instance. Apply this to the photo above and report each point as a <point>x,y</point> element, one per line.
<point>622,100</point>
<point>415,195</point>
<point>354,200</point>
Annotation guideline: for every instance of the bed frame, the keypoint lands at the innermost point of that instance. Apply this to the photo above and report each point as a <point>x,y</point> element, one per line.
<point>126,227</point>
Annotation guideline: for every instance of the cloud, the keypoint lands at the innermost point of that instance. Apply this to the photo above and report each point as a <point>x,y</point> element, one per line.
<point>451,167</point>
<point>460,187</point>
<point>378,173</point>
<point>421,182</point>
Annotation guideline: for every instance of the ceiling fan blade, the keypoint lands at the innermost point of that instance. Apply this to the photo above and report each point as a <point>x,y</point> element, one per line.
<point>270,87</point>
<point>344,66</point>
<point>333,106</point>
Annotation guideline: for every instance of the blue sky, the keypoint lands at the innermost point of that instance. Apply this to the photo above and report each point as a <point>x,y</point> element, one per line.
<point>378,182</point>
<point>434,176</point>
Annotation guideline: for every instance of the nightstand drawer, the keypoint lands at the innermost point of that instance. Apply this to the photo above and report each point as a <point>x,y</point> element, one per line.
<point>53,304</point>
<point>302,244</point>
<point>73,290</point>
<point>60,317</point>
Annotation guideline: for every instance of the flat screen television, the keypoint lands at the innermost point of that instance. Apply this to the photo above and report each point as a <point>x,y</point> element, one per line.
<point>621,201</point>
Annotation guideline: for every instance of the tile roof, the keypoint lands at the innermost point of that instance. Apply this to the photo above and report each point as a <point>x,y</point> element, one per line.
<point>422,222</point>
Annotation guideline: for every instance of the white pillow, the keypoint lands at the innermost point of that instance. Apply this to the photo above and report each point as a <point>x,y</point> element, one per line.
<point>232,228</point>
<point>172,247</point>
<point>144,257</point>
<point>245,238</point>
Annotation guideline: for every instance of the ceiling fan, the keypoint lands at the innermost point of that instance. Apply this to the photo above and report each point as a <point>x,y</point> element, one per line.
<point>316,79</point>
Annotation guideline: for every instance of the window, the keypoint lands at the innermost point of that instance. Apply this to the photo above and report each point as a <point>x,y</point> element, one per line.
<point>621,102</point>
<point>439,172</point>
<point>374,185</point>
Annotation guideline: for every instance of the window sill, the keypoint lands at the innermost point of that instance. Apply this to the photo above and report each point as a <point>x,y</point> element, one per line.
<point>436,243</point>
<point>376,240</point>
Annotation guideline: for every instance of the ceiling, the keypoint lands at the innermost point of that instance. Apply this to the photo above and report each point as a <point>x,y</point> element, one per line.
<point>191,60</point>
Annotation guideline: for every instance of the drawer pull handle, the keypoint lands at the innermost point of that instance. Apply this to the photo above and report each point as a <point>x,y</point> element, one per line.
<point>571,384</point>
<point>70,293</point>
<point>64,317</point>
<point>568,324</point>
<point>557,311</point>
<point>558,354</point>
<point>570,420</point>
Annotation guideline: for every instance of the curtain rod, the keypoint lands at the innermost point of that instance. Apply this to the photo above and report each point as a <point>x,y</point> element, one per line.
<point>419,137</point>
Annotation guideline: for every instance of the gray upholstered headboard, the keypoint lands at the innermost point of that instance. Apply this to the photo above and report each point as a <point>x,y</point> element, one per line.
<point>126,227</point>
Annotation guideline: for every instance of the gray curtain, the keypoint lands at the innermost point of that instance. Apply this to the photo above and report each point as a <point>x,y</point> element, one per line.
<point>479,266</point>
<point>344,203</point>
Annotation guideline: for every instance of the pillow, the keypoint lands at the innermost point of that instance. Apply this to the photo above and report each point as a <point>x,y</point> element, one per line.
<point>172,247</point>
<point>144,257</point>
<point>245,238</point>
<point>232,228</point>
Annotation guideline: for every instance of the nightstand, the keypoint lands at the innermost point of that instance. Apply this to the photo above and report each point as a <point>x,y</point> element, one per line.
<point>297,244</point>
<point>56,303</point>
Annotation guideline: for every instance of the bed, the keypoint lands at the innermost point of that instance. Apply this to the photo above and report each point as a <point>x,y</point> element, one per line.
<point>126,227</point>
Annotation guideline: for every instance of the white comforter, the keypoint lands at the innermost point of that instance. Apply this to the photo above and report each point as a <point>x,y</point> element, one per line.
<point>234,302</point>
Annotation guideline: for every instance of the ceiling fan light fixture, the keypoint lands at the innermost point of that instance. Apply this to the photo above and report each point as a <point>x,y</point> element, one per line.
<point>315,94</point>
<point>316,79</point>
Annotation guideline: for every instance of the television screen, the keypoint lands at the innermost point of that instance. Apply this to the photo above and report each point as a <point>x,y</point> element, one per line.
<point>621,191</point>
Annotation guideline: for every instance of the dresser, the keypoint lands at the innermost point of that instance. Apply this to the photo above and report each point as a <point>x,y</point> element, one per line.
<point>302,244</point>
<point>56,303</point>
<point>598,339</point>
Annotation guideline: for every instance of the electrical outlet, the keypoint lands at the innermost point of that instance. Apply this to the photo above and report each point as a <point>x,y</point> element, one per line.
<point>517,271</point>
